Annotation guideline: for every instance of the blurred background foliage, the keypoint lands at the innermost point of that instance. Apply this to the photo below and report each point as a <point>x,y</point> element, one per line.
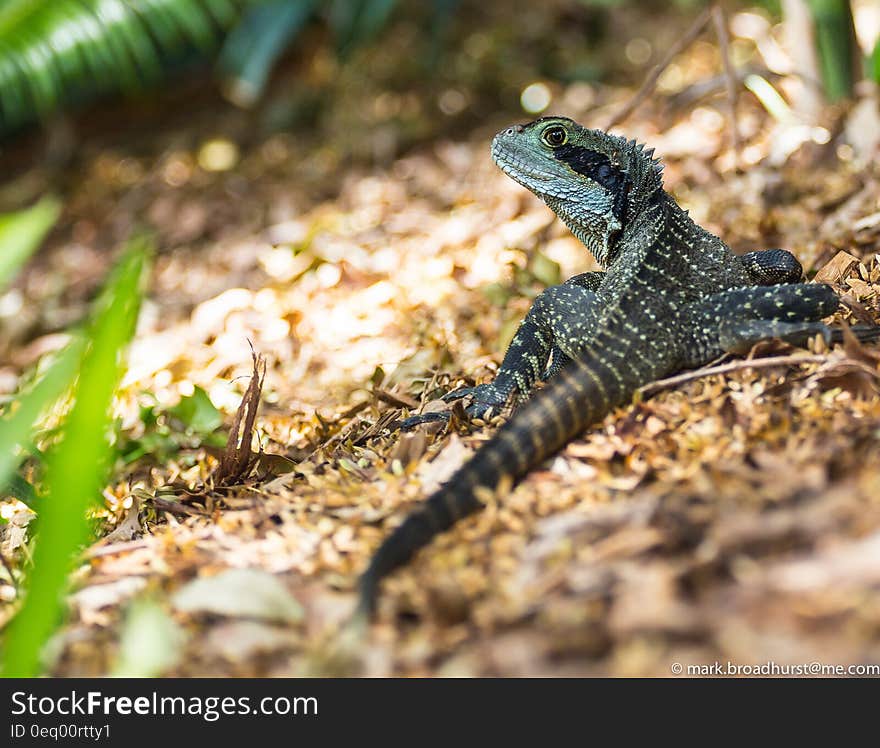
<point>61,53</point>
<point>71,458</point>
<point>56,53</point>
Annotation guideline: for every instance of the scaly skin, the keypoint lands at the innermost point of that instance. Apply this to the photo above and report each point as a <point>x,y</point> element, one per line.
<point>673,296</point>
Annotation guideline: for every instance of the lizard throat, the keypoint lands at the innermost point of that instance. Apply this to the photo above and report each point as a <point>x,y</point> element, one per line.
<point>598,233</point>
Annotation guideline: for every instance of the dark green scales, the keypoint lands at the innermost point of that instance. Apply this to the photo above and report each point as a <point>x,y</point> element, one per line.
<point>672,296</point>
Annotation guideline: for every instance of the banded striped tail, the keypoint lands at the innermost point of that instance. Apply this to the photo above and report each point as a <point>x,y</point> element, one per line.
<point>579,395</point>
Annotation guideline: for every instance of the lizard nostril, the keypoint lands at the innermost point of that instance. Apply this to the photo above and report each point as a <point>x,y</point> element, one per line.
<point>513,130</point>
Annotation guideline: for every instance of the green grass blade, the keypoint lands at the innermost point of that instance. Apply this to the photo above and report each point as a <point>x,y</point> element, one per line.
<point>76,467</point>
<point>355,21</point>
<point>874,64</point>
<point>21,234</point>
<point>835,44</point>
<point>15,428</point>
<point>374,16</point>
<point>15,12</point>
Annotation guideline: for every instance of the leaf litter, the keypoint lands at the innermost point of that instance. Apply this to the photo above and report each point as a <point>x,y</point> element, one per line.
<point>730,515</point>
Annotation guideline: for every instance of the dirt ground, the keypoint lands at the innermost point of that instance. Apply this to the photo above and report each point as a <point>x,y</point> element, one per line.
<point>372,253</point>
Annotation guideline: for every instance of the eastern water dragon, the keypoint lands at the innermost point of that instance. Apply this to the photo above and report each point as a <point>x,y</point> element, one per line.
<point>672,296</point>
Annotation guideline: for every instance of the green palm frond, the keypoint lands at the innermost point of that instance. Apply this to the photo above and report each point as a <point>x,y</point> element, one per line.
<point>56,52</point>
<point>355,21</point>
<point>253,47</point>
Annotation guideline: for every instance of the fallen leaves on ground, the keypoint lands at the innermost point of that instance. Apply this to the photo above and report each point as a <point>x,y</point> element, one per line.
<point>728,517</point>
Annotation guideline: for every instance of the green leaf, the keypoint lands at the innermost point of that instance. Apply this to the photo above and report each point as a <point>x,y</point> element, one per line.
<point>545,270</point>
<point>197,412</point>
<point>23,412</point>
<point>58,52</point>
<point>76,467</point>
<point>252,48</point>
<point>21,233</point>
<point>498,294</point>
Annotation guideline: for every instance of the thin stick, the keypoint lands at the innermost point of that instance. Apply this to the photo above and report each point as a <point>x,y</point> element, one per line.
<point>755,363</point>
<point>8,568</point>
<point>651,81</point>
<point>97,551</point>
<point>175,507</point>
<point>732,79</point>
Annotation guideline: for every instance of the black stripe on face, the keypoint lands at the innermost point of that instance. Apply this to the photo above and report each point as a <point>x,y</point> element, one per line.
<point>598,167</point>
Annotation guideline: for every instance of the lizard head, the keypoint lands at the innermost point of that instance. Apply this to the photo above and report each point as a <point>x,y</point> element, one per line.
<point>592,180</point>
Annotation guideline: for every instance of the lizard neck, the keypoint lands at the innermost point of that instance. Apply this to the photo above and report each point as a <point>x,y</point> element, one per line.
<point>662,258</point>
<point>646,226</point>
<point>599,234</point>
<point>611,237</point>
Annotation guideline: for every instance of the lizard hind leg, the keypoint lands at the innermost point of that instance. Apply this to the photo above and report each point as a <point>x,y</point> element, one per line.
<point>795,302</point>
<point>739,335</point>
<point>558,360</point>
<point>732,321</point>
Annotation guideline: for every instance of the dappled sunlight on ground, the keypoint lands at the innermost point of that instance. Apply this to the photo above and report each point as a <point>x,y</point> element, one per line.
<point>734,517</point>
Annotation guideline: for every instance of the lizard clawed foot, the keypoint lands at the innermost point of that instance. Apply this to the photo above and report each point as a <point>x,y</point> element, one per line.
<point>487,402</point>
<point>408,424</point>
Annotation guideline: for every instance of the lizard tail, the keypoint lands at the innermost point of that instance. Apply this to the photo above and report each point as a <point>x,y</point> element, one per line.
<point>863,333</point>
<point>579,395</point>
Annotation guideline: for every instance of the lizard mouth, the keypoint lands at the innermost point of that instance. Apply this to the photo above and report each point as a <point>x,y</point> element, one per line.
<point>517,169</point>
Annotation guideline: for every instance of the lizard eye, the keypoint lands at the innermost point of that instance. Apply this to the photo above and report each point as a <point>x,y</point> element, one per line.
<point>554,136</point>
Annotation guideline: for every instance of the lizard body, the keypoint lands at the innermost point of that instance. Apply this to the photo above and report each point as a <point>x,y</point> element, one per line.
<point>672,296</point>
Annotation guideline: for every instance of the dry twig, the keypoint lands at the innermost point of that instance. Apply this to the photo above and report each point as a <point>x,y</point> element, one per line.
<point>238,458</point>
<point>760,363</point>
<point>731,78</point>
<point>651,81</point>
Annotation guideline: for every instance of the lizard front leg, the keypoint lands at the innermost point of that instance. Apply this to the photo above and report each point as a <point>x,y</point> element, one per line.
<point>558,358</point>
<point>559,317</point>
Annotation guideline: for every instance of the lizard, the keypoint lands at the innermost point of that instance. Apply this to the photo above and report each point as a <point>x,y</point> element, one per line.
<point>672,296</point>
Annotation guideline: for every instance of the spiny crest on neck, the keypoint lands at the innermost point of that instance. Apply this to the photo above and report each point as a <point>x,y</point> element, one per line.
<point>633,159</point>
